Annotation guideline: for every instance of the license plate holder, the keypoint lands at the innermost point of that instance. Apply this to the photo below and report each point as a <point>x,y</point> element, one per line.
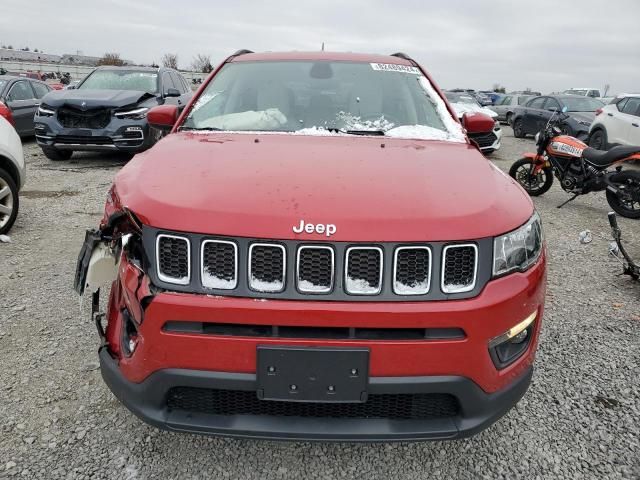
<point>303,374</point>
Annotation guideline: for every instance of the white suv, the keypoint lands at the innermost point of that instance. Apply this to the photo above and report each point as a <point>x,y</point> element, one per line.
<point>617,123</point>
<point>12,174</point>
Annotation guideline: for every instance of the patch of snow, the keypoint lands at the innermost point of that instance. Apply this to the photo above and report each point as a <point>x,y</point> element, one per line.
<point>420,132</point>
<point>316,132</point>
<point>212,281</point>
<point>453,127</point>
<point>307,286</point>
<point>360,285</point>
<point>262,286</point>
<point>354,122</point>
<point>416,288</point>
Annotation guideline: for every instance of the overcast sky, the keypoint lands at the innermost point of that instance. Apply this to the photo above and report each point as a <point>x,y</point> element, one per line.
<point>547,45</point>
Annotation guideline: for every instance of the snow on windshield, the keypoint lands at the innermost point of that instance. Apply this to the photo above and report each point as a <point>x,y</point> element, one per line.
<point>324,98</point>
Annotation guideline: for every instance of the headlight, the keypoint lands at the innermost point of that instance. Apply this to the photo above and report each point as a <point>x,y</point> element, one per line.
<point>44,111</point>
<point>519,249</point>
<point>135,114</point>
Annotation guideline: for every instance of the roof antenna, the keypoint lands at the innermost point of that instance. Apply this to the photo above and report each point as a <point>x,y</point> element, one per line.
<point>322,49</point>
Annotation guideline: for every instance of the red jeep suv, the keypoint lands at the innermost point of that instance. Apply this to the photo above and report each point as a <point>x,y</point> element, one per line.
<point>317,251</point>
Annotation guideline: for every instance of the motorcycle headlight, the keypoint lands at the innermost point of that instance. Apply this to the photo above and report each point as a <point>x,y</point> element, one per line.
<point>135,114</point>
<point>519,249</point>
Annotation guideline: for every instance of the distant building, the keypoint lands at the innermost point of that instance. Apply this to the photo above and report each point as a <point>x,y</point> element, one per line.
<point>9,54</point>
<point>69,58</point>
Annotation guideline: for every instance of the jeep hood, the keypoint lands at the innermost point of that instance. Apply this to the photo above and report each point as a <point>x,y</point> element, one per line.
<point>373,189</point>
<point>95,98</point>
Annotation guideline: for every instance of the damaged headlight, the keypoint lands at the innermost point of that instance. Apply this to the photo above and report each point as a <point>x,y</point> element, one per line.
<point>519,249</point>
<point>135,114</point>
<point>45,111</point>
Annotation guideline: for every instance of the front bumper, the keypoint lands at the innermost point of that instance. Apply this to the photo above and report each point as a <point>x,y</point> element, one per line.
<point>126,135</point>
<point>147,400</point>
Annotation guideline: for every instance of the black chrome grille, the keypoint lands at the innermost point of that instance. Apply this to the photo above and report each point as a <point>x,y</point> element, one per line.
<point>315,269</point>
<point>267,267</point>
<point>460,264</point>
<point>239,402</point>
<point>364,270</point>
<point>483,139</point>
<point>412,272</point>
<point>173,259</point>
<point>219,264</point>
<point>73,118</point>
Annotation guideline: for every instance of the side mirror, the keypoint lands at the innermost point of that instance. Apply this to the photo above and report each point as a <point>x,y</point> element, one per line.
<point>172,92</point>
<point>163,117</point>
<point>564,109</point>
<point>475,122</point>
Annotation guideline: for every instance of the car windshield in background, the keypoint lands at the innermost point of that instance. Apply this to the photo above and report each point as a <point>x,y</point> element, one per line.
<point>523,100</point>
<point>576,92</point>
<point>323,97</point>
<point>460,98</point>
<point>582,104</point>
<point>121,80</point>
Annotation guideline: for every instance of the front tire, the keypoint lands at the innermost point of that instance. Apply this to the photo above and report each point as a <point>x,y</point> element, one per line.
<point>518,128</point>
<point>598,139</point>
<point>626,202</point>
<point>9,201</point>
<point>56,155</point>
<point>534,185</point>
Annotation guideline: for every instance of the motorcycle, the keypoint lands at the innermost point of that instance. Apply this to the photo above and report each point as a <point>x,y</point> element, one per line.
<point>580,169</point>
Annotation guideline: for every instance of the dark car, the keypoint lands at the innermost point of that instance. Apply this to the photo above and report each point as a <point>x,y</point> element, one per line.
<point>533,116</point>
<point>108,111</point>
<point>19,100</point>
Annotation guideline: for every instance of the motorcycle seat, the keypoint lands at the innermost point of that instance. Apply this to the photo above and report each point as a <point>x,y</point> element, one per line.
<point>603,158</point>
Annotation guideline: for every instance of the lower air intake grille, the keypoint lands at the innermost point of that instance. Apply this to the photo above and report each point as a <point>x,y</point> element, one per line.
<point>240,402</point>
<point>266,267</point>
<point>460,265</point>
<point>412,274</point>
<point>484,139</point>
<point>219,264</point>
<point>364,270</point>
<point>173,254</point>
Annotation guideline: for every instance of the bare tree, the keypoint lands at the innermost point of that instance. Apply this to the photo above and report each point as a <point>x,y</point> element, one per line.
<point>498,88</point>
<point>170,60</point>
<point>202,63</point>
<point>111,59</point>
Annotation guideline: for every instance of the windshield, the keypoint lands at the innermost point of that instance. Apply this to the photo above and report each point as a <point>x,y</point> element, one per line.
<point>582,104</point>
<point>323,97</point>
<point>121,80</point>
<point>461,98</point>
<point>576,92</point>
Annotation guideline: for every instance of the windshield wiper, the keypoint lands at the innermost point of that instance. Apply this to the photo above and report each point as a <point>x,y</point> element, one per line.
<point>201,129</point>
<point>364,132</point>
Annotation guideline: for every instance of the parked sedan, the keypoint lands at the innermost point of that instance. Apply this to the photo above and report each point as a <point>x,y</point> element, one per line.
<point>617,123</point>
<point>505,106</point>
<point>534,115</point>
<point>19,100</point>
<point>108,111</point>
<point>12,174</point>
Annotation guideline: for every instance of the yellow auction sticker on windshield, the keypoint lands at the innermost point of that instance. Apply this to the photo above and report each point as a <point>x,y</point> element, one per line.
<point>392,67</point>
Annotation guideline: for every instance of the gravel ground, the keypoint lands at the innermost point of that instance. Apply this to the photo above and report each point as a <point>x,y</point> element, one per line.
<point>580,419</point>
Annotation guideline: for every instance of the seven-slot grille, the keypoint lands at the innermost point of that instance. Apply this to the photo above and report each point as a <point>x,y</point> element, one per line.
<point>174,259</point>
<point>219,264</point>
<point>363,274</point>
<point>337,271</point>
<point>315,268</point>
<point>267,267</point>
<point>460,268</point>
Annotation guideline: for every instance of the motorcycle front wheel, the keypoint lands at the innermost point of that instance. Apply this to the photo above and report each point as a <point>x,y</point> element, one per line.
<point>522,172</point>
<point>626,201</point>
